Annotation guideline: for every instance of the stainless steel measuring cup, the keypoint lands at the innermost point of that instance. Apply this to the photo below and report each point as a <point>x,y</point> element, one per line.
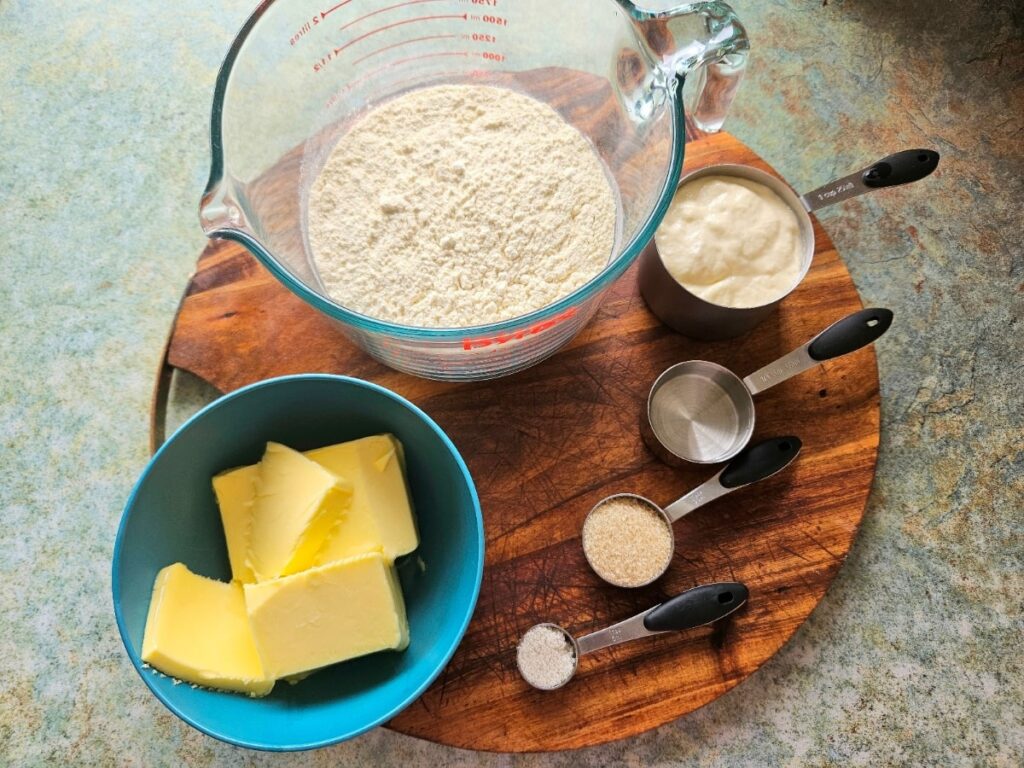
<point>699,318</point>
<point>756,462</point>
<point>694,608</point>
<point>704,413</point>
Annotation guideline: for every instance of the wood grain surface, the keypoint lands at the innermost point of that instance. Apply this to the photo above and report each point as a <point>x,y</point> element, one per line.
<point>546,444</point>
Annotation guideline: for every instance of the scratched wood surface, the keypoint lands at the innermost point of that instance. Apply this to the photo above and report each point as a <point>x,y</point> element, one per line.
<point>546,444</point>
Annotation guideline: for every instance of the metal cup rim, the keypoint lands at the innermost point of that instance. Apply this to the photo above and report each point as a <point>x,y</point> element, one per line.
<point>649,503</point>
<point>658,383</point>
<point>788,195</point>
<point>575,655</point>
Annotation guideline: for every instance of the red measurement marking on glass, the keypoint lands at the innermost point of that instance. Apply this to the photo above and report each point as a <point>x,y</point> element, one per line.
<point>342,4</point>
<point>324,61</point>
<point>405,42</point>
<point>396,62</point>
<point>382,10</point>
<point>355,40</point>
<point>503,338</point>
<point>303,30</point>
<point>314,21</point>
<point>488,19</point>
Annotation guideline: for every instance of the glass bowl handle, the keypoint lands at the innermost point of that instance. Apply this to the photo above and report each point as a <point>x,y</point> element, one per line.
<point>704,40</point>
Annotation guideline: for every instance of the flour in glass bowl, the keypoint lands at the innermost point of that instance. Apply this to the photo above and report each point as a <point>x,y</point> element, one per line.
<point>457,205</point>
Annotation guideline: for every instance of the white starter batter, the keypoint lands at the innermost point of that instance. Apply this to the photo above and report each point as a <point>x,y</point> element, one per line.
<point>731,241</point>
<point>454,206</point>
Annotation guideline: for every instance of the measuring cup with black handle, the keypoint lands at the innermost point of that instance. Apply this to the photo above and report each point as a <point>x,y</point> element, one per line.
<point>702,412</point>
<point>891,171</point>
<point>696,317</point>
<point>755,463</point>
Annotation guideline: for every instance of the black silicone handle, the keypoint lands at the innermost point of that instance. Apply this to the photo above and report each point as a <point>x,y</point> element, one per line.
<point>850,334</point>
<point>901,168</point>
<point>757,462</point>
<point>697,607</point>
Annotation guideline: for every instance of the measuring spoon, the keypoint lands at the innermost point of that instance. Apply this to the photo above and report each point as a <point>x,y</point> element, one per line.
<point>704,413</point>
<point>756,462</point>
<point>694,608</point>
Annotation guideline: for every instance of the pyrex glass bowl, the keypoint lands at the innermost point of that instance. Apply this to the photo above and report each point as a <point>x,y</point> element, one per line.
<point>172,516</point>
<point>300,71</point>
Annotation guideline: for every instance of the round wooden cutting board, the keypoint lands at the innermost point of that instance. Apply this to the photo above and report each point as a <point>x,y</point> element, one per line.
<point>546,444</point>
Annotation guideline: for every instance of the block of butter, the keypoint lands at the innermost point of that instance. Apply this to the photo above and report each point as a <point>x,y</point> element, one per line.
<point>296,504</point>
<point>380,516</point>
<point>197,630</point>
<point>235,490</point>
<point>327,614</point>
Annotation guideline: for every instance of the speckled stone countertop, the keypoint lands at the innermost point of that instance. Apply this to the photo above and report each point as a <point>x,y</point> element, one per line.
<point>913,657</point>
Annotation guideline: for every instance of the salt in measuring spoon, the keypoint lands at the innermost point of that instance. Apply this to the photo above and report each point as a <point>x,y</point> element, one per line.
<point>696,607</point>
<point>756,462</point>
<point>704,413</point>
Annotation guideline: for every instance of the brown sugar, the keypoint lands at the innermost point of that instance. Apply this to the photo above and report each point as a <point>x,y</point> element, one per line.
<point>627,541</point>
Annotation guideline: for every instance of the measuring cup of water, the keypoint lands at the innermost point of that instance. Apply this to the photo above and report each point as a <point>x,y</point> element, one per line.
<point>301,71</point>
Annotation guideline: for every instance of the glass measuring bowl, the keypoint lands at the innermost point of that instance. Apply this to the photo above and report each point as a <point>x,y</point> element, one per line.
<point>301,71</point>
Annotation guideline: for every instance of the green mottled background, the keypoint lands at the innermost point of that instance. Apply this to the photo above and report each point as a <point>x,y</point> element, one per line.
<point>913,658</point>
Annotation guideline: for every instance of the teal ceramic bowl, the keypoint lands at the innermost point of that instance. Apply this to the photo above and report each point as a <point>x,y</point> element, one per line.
<point>172,516</point>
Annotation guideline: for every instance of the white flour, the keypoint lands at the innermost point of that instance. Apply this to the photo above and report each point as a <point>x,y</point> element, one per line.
<point>459,205</point>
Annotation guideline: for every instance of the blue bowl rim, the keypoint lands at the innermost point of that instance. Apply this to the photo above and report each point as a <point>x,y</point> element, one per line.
<point>413,695</point>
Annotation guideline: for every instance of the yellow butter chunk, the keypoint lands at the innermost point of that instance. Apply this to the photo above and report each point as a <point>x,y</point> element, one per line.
<point>297,502</point>
<point>235,491</point>
<point>197,630</point>
<point>380,516</point>
<point>327,614</point>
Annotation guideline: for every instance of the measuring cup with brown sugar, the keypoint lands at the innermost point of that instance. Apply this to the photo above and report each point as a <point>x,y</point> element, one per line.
<point>628,539</point>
